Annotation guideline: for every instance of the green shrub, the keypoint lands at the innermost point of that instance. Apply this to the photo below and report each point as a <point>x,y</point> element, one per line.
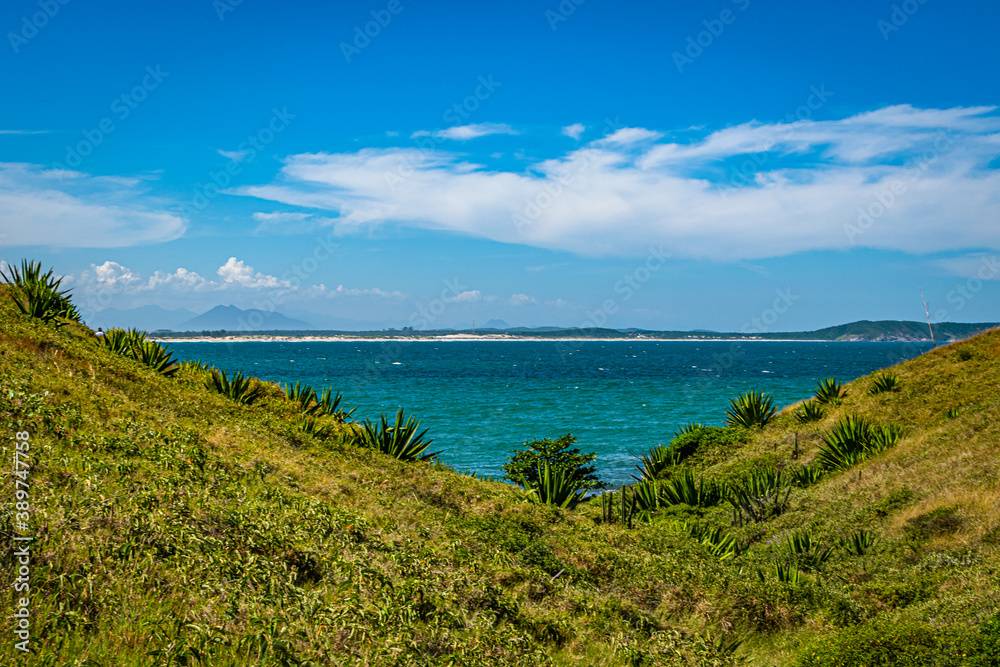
<point>39,295</point>
<point>829,390</point>
<point>751,409</point>
<point>690,427</point>
<point>399,441</point>
<point>964,354</point>
<point>524,464</point>
<point>884,382</point>
<point>942,521</point>
<point>894,645</point>
<point>810,411</point>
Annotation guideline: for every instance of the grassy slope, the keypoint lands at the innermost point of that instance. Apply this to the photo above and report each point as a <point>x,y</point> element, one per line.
<point>170,520</point>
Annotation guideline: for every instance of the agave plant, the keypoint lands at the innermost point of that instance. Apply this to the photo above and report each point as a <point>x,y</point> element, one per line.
<point>655,461</point>
<point>759,495</point>
<point>243,390</point>
<point>312,426</point>
<point>329,404</point>
<point>123,341</point>
<point>829,390</point>
<point>685,490</point>
<point>39,294</point>
<point>720,544</point>
<point>647,495</point>
<point>858,543</point>
<point>155,356</point>
<point>810,411</point>
<point>786,572</point>
<point>846,444</point>
<point>754,408</point>
<point>690,427</point>
<point>556,486</point>
<point>807,476</point>
<point>803,549</point>
<point>884,382</point>
<point>853,440</point>
<point>400,441</point>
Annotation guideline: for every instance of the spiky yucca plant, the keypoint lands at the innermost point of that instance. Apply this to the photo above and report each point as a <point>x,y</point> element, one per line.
<point>243,390</point>
<point>686,490</point>
<point>805,550</point>
<point>655,461</point>
<point>690,427</point>
<point>400,441</point>
<point>720,544</point>
<point>829,390</point>
<point>133,344</point>
<point>329,404</point>
<point>759,495</point>
<point>807,476</point>
<point>752,409</point>
<point>884,382</point>
<point>556,486</point>
<point>810,411</point>
<point>854,439</point>
<point>858,543</point>
<point>39,294</point>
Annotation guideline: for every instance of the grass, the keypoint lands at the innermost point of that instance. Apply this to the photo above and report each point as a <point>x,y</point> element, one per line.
<point>174,525</point>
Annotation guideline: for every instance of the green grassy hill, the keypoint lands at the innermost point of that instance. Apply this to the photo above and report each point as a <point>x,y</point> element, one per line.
<point>174,526</point>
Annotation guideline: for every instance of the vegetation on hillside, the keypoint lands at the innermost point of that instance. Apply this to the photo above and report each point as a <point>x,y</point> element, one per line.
<point>176,524</point>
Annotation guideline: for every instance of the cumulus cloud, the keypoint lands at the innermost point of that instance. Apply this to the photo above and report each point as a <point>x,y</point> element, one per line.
<point>340,290</point>
<point>521,299</point>
<point>574,131</point>
<point>915,180</point>
<point>235,272</point>
<point>466,132</point>
<point>69,209</point>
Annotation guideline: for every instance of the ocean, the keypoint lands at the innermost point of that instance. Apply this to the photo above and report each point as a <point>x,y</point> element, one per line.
<point>480,399</point>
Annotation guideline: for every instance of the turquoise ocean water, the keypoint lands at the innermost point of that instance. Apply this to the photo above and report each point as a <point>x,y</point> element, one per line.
<point>481,398</point>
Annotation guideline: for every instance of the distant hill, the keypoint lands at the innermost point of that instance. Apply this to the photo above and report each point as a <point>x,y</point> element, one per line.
<point>233,319</point>
<point>900,331</point>
<point>496,324</point>
<point>147,318</point>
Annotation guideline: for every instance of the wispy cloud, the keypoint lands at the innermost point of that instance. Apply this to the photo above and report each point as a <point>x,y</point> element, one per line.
<point>24,131</point>
<point>809,180</point>
<point>235,156</point>
<point>466,132</point>
<point>575,130</point>
<point>68,209</point>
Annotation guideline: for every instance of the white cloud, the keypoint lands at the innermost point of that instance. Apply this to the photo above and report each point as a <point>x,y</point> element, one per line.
<point>803,187</point>
<point>984,266</point>
<point>521,299</point>
<point>631,135</point>
<point>24,131</point>
<point>355,291</point>
<point>466,132</point>
<point>68,209</point>
<point>575,130</point>
<point>235,272</point>
<point>468,296</point>
<point>235,156</point>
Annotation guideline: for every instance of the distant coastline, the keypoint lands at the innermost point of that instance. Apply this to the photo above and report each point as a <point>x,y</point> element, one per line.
<point>459,338</point>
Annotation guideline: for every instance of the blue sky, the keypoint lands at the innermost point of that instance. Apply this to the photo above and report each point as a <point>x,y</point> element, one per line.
<point>667,165</point>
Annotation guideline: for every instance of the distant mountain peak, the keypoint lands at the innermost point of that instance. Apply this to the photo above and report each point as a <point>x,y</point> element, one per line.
<point>232,318</point>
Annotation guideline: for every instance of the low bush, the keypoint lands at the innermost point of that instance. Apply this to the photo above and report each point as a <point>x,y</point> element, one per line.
<point>942,521</point>
<point>897,645</point>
